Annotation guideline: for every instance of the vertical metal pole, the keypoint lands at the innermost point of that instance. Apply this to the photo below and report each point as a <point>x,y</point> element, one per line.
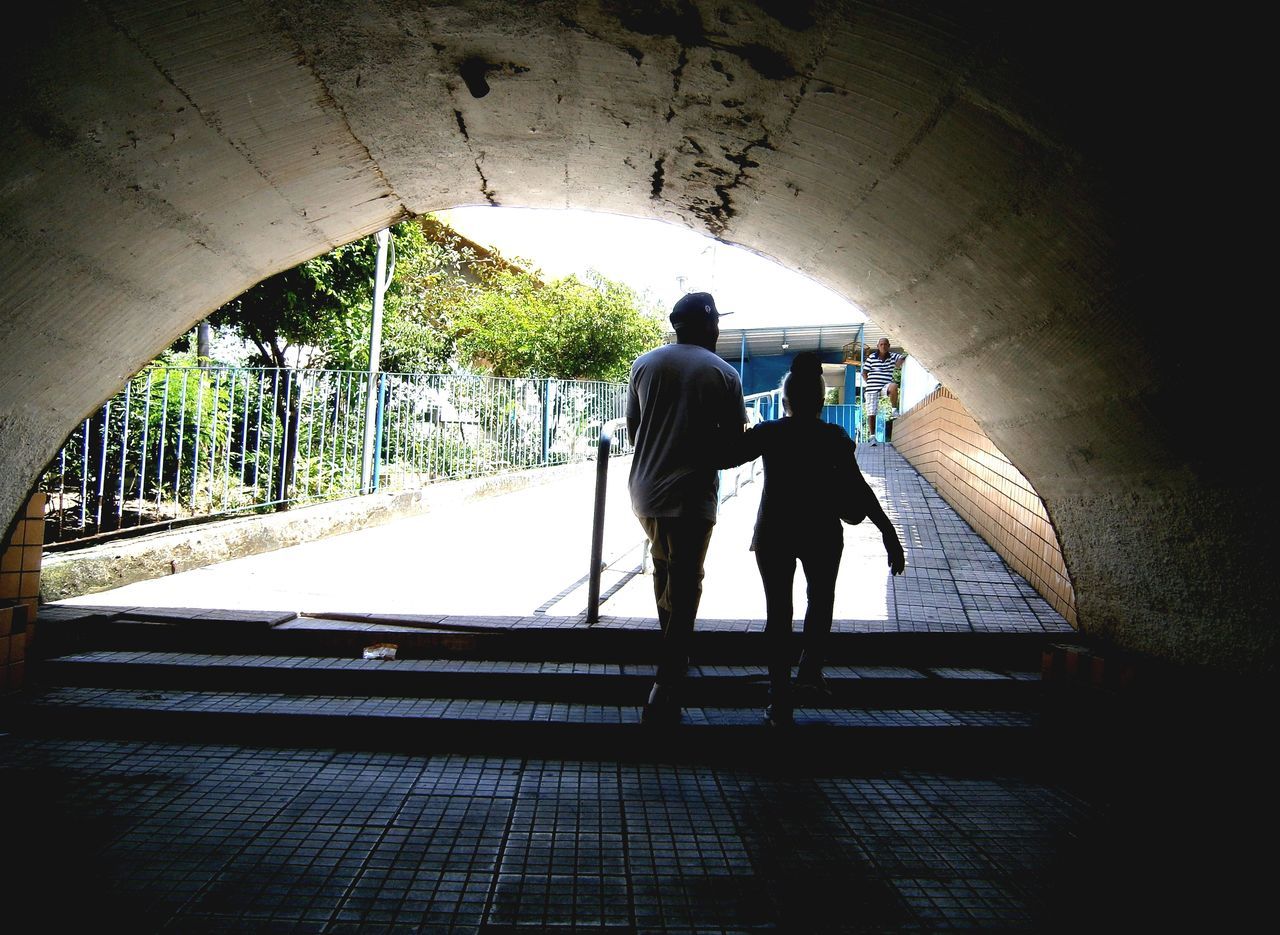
<point>62,486</point>
<point>102,465</point>
<point>201,378</point>
<point>84,477</point>
<point>380,281</point>
<point>315,377</point>
<point>213,433</point>
<point>142,464</point>
<point>233,377</point>
<point>164,426</point>
<point>284,438</point>
<point>257,438</point>
<point>324,424</point>
<point>244,429</point>
<point>597,529</point>
<point>342,413</point>
<point>124,456</point>
<point>182,429</point>
<point>546,420</point>
<point>275,417</point>
<point>377,441</point>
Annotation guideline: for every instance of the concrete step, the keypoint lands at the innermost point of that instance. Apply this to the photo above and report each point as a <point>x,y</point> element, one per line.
<point>530,728</point>
<point>68,630</point>
<point>576,682</point>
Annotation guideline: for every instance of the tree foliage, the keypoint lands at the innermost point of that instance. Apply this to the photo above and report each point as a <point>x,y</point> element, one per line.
<point>449,304</point>
<point>567,329</point>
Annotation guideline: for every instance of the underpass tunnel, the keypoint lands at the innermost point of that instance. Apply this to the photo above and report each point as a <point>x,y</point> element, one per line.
<point>987,186</point>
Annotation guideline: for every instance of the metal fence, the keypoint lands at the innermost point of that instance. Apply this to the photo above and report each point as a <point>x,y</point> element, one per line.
<point>762,407</point>
<point>182,443</point>
<point>848,418</point>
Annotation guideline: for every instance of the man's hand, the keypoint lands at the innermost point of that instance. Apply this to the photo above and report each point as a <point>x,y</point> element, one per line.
<point>893,548</point>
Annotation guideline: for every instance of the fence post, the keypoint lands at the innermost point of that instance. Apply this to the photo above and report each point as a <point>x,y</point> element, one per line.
<point>377,442</point>
<point>546,420</point>
<point>597,529</point>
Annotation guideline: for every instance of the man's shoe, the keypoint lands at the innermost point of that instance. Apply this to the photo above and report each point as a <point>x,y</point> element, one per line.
<point>813,688</point>
<point>661,709</point>
<point>660,715</point>
<point>778,716</point>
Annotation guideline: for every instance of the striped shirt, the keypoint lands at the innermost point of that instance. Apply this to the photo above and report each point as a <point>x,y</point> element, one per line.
<point>877,372</point>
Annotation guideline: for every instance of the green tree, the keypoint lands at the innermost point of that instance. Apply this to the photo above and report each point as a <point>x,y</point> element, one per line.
<point>568,329</point>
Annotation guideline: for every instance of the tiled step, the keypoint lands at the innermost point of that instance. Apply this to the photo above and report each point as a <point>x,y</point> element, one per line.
<point>578,682</point>
<point>563,639</point>
<point>844,734</point>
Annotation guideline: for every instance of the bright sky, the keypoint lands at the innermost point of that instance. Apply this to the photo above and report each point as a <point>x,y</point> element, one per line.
<point>653,256</point>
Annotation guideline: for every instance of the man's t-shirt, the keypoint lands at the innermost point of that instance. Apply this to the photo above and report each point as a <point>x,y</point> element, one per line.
<point>683,403</point>
<point>877,373</point>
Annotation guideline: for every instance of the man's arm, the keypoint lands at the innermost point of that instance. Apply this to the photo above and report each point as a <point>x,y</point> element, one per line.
<point>633,408</point>
<point>728,448</point>
<point>738,447</point>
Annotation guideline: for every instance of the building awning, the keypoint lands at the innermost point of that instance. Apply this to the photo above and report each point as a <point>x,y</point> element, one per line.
<point>736,343</point>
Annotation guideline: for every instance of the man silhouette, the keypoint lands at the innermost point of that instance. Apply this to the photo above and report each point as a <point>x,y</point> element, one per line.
<point>878,368</point>
<point>683,404</point>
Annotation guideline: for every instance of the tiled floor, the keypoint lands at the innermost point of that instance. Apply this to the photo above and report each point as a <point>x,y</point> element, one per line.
<point>182,838</point>
<point>154,836</point>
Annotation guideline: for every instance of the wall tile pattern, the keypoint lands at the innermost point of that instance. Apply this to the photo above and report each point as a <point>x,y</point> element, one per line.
<point>944,443</point>
<point>20,592</point>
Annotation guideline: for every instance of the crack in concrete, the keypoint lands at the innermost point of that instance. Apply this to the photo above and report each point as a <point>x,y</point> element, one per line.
<point>327,99</point>
<point>324,99</point>
<point>944,103</point>
<point>484,183</point>
<point>462,125</point>
<point>570,23</point>
<point>717,217</point>
<point>677,73</point>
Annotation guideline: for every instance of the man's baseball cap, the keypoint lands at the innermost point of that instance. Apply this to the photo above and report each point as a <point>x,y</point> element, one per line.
<point>696,309</point>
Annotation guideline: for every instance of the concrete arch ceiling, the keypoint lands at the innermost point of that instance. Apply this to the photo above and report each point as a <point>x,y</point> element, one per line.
<point>971,179</point>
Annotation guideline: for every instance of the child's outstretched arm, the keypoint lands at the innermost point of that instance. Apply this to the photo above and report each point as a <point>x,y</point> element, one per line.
<point>892,545</point>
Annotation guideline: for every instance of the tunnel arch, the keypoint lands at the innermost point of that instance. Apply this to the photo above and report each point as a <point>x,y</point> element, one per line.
<point>975,180</point>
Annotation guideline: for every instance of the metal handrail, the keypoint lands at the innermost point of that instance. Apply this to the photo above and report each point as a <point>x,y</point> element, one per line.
<point>597,530</point>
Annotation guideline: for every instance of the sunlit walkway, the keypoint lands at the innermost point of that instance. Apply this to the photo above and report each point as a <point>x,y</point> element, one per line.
<point>525,555</point>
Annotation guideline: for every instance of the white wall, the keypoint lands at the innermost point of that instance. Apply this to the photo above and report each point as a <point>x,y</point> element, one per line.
<point>917,383</point>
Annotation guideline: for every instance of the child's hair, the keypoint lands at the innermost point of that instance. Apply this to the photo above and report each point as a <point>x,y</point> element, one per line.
<point>803,388</point>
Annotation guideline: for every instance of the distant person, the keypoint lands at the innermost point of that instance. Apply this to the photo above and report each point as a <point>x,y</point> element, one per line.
<point>811,479</point>
<point>878,368</point>
<point>683,402</point>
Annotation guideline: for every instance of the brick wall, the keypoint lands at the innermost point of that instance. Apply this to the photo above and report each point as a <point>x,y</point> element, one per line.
<point>944,443</point>
<point>20,592</point>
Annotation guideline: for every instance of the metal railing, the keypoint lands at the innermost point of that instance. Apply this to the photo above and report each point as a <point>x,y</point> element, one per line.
<point>766,406</point>
<point>848,417</point>
<point>185,443</point>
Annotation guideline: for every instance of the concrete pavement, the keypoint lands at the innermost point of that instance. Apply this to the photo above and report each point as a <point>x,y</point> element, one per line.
<point>527,552</point>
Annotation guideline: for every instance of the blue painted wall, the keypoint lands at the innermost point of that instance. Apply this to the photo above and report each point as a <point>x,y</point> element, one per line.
<point>764,374</point>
